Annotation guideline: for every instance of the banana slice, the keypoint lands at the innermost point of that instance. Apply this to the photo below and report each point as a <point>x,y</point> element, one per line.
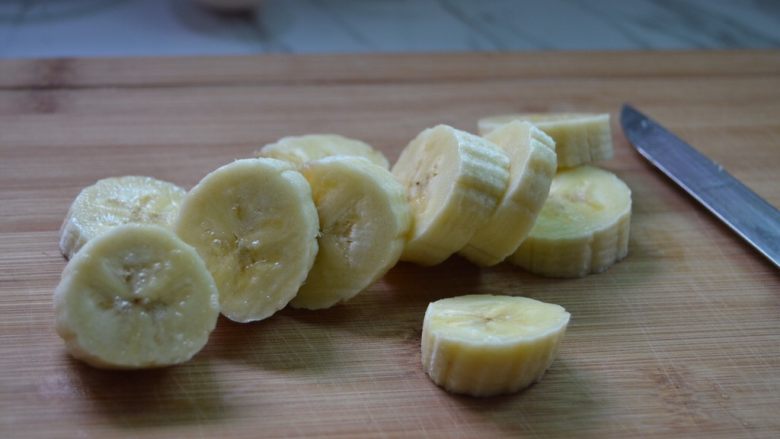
<point>583,227</point>
<point>579,137</point>
<point>454,181</point>
<point>532,166</point>
<point>135,297</point>
<point>301,149</point>
<point>114,201</point>
<point>485,345</point>
<point>254,223</point>
<point>364,222</point>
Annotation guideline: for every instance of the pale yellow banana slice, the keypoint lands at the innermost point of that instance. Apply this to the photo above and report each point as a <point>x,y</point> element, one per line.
<point>583,227</point>
<point>118,200</point>
<point>532,166</point>
<point>580,138</point>
<point>301,149</point>
<point>454,181</point>
<point>364,223</point>
<point>254,223</point>
<point>485,345</point>
<point>135,296</point>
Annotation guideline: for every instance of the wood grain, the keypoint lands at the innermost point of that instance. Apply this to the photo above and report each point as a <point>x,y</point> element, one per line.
<point>680,339</point>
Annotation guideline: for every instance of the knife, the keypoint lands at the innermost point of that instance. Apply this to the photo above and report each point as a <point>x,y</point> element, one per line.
<point>754,219</point>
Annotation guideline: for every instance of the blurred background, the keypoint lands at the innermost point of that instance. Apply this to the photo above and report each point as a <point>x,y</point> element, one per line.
<point>55,28</point>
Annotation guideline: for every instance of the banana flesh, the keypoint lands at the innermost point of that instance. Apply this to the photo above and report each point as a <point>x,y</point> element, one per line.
<point>453,181</point>
<point>301,149</point>
<point>254,223</point>
<point>580,138</point>
<point>135,296</point>
<point>485,345</point>
<point>364,223</point>
<point>583,227</point>
<point>114,201</point>
<point>532,165</point>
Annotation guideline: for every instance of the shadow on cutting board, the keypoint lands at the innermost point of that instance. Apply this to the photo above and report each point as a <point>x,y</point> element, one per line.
<point>393,308</point>
<point>563,404</point>
<point>278,343</point>
<point>184,394</point>
<point>309,341</point>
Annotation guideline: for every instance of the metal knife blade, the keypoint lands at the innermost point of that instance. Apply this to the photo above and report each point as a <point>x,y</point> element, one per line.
<point>754,219</point>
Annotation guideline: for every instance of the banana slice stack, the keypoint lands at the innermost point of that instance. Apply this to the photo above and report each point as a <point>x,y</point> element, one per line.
<point>313,220</point>
<point>152,265</point>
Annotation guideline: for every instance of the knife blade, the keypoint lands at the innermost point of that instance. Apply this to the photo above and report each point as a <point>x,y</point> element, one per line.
<point>744,211</point>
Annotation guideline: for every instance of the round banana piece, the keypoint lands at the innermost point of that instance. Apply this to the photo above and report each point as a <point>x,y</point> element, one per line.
<point>114,201</point>
<point>254,223</point>
<point>364,223</point>
<point>453,181</point>
<point>135,297</point>
<point>485,345</point>
<point>580,138</point>
<point>531,169</point>
<point>301,149</point>
<point>583,227</point>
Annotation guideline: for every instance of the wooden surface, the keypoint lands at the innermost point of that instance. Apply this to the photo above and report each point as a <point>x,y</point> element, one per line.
<point>680,339</point>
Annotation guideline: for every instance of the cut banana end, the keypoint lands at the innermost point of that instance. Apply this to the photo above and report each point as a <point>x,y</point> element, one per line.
<point>136,297</point>
<point>114,201</point>
<point>453,181</point>
<point>580,138</point>
<point>583,227</point>
<point>301,149</point>
<point>364,223</point>
<point>485,345</point>
<point>254,223</point>
<point>532,166</point>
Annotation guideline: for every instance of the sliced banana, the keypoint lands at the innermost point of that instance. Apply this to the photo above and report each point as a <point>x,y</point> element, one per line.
<point>485,345</point>
<point>580,138</point>
<point>135,296</point>
<point>364,223</point>
<point>114,201</point>
<point>532,166</point>
<point>583,227</point>
<point>254,223</point>
<point>454,181</point>
<point>301,149</point>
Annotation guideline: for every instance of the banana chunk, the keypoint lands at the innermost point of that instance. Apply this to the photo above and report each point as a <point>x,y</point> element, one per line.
<point>485,345</point>
<point>580,138</point>
<point>114,201</point>
<point>364,223</point>
<point>532,166</point>
<point>301,149</point>
<point>454,181</point>
<point>254,223</point>
<point>135,297</point>
<point>583,227</point>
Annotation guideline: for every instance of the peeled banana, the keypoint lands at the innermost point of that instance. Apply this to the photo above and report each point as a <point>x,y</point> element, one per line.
<point>580,138</point>
<point>484,345</point>
<point>135,296</point>
<point>364,223</point>
<point>114,201</point>
<point>583,227</point>
<point>532,166</point>
<point>301,149</point>
<point>254,223</point>
<point>454,181</point>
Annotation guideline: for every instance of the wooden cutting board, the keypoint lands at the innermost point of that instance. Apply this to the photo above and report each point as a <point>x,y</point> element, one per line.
<point>680,339</point>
